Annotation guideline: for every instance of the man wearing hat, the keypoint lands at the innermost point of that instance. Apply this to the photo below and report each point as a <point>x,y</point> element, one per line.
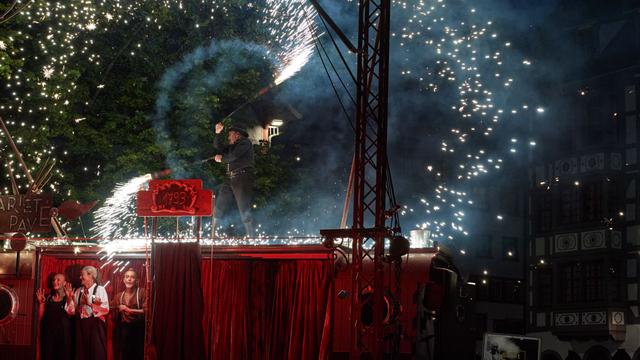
<point>237,154</point>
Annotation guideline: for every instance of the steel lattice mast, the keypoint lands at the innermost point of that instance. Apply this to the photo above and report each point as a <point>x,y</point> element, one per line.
<point>370,182</point>
<point>370,215</point>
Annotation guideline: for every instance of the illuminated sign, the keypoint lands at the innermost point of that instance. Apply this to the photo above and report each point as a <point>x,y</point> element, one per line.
<point>175,198</point>
<point>25,213</point>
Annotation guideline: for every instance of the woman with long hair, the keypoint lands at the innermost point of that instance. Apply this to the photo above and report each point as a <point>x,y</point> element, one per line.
<point>55,323</point>
<point>130,325</point>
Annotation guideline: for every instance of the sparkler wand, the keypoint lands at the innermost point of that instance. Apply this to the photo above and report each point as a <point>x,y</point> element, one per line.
<point>262,91</point>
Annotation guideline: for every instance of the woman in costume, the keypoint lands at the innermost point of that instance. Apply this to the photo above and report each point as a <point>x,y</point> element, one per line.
<point>90,304</point>
<point>130,325</point>
<point>55,323</point>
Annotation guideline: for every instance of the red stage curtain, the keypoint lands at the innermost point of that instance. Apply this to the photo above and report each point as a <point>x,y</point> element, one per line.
<point>267,309</point>
<point>178,309</point>
<point>109,274</point>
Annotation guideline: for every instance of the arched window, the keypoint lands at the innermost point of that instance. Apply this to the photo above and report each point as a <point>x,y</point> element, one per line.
<point>572,356</point>
<point>597,352</point>
<point>621,354</point>
<point>550,355</point>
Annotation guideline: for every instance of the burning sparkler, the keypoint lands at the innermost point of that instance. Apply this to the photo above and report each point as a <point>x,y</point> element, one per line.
<point>115,219</point>
<point>292,29</point>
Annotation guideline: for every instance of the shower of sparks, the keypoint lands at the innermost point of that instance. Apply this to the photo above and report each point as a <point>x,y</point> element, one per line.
<point>460,52</point>
<point>292,29</point>
<point>116,219</point>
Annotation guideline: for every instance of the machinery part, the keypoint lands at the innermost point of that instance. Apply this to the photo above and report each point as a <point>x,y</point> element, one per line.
<point>9,304</point>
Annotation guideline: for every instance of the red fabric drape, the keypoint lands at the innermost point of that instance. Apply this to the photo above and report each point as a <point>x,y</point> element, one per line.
<point>249,309</point>
<point>267,309</point>
<point>109,274</point>
<point>177,314</point>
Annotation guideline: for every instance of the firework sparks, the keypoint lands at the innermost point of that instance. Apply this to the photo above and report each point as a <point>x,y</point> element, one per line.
<point>460,51</point>
<point>115,219</point>
<point>292,30</point>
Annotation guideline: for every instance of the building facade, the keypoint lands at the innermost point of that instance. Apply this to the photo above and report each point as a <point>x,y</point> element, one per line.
<point>584,228</point>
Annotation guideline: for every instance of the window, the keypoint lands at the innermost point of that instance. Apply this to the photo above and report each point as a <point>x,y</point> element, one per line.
<point>511,291</point>
<point>615,281</point>
<point>586,44</point>
<point>582,282</point>
<point>480,323</point>
<point>480,198</point>
<point>508,326</point>
<point>484,246</point>
<point>569,204</point>
<point>593,284</point>
<point>544,287</point>
<point>543,208</point>
<point>500,290</point>
<point>510,248</point>
<point>482,288</point>
<point>495,289</point>
<point>593,203</point>
<point>509,201</point>
<point>570,283</point>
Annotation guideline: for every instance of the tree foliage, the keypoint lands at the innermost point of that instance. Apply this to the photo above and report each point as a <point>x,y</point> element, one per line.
<point>97,116</point>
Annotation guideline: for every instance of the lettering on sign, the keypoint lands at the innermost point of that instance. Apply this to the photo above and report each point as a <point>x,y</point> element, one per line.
<point>174,198</point>
<point>25,213</point>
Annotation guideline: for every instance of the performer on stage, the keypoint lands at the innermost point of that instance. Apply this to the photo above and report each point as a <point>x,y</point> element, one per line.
<point>130,325</point>
<point>55,324</point>
<point>237,154</point>
<point>90,303</point>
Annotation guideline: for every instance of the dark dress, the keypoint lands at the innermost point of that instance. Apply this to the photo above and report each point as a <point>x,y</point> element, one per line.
<point>129,330</point>
<point>55,331</point>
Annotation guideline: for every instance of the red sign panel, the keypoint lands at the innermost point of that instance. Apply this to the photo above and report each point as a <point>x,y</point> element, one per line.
<point>25,213</point>
<point>175,198</point>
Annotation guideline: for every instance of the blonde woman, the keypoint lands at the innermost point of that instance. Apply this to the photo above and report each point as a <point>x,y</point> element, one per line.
<point>55,323</point>
<point>90,304</point>
<point>129,330</point>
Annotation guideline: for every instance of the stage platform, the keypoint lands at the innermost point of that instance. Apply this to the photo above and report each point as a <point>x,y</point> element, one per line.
<point>258,301</point>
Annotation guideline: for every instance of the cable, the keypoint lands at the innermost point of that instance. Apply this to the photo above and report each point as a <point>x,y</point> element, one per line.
<point>326,70</point>
<point>337,74</point>
<point>346,65</point>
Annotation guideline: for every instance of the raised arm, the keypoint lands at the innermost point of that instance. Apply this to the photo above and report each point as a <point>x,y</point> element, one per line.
<point>70,306</point>
<point>41,302</point>
<point>218,142</point>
